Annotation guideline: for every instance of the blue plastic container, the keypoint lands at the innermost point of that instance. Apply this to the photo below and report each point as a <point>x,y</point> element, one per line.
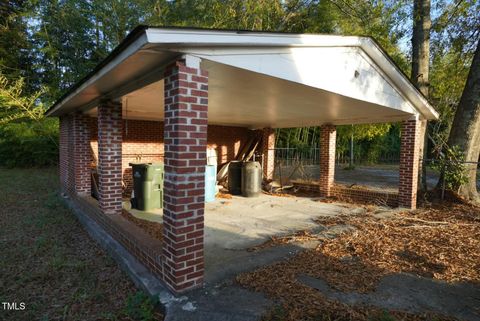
<point>210,182</point>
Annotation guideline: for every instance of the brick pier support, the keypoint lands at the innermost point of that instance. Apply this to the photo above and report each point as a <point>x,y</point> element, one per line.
<point>82,154</point>
<point>110,157</point>
<point>185,137</point>
<point>328,136</point>
<point>268,146</point>
<point>409,163</point>
<point>64,157</point>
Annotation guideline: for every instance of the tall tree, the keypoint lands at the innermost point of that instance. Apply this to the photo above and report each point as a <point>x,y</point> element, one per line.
<point>421,44</point>
<point>465,132</point>
<point>421,65</point>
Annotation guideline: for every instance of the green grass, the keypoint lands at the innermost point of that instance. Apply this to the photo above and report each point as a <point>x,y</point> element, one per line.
<point>49,262</point>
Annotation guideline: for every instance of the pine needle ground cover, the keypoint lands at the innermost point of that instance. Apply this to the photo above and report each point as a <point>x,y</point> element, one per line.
<point>49,263</point>
<point>441,242</point>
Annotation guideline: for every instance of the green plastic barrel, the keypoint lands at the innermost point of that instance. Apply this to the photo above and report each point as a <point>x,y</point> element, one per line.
<point>147,185</point>
<point>235,177</point>
<point>251,179</point>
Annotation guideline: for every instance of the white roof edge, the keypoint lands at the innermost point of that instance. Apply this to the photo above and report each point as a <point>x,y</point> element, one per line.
<point>380,57</point>
<point>201,37</point>
<point>239,38</point>
<point>183,37</point>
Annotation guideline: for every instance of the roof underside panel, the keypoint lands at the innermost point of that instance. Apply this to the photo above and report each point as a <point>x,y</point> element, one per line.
<point>239,97</point>
<point>346,71</point>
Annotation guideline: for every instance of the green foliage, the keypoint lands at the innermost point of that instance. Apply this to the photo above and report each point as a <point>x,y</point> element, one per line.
<point>26,137</point>
<point>451,163</point>
<point>46,46</point>
<point>140,307</point>
<point>29,143</point>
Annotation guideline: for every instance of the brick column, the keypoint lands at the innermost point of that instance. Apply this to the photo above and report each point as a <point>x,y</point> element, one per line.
<point>185,137</point>
<point>268,145</point>
<point>409,163</point>
<point>63,152</point>
<point>328,135</point>
<point>70,179</point>
<point>110,157</point>
<point>82,154</point>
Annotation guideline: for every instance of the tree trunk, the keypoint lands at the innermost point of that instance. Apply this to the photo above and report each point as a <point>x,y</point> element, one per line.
<point>465,131</point>
<point>421,45</point>
<point>420,68</point>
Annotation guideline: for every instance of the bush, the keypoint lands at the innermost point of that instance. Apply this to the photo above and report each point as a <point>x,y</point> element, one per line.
<point>32,143</point>
<point>140,307</point>
<point>451,165</point>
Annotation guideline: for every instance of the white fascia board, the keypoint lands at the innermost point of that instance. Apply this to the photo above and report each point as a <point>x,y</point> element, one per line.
<point>418,100</point>
<point>134,47</point>
<point>194,38</point>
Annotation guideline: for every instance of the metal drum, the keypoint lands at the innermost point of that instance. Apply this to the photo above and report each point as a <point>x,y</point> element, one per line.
<point>235,177</point>
<point>251,179</point>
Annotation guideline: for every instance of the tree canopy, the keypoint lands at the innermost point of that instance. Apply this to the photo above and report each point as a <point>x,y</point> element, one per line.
<point>48,45</point>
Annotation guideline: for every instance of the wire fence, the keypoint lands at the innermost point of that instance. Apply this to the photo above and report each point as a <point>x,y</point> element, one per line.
<point>311,156</point>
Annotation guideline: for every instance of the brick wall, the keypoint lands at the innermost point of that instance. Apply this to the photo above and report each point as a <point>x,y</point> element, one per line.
<point>328,134</point>
<point>409,163</point>
<point>353,195</point>
<point>143,141</point>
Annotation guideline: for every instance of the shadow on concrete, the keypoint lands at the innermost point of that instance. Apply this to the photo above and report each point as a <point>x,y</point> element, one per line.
<point>412,294</point>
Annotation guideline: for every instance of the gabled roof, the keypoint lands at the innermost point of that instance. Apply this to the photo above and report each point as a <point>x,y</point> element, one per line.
<point>343,70</point>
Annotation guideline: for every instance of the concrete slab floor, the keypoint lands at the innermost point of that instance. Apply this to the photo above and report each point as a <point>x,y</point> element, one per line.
<point>234,225</point>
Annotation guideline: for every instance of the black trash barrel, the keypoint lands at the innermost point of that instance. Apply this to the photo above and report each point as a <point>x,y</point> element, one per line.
<point>235,177</point>
<point>251,179</point>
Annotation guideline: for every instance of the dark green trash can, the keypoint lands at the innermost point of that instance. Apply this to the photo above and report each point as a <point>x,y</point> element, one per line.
<point>235,177</point>
<point>147,186</point>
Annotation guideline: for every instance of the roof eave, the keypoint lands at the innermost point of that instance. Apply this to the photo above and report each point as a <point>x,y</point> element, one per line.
<point>132,43</point>
<point>175,37</point>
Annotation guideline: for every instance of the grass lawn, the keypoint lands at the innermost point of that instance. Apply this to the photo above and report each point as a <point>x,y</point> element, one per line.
<point>49,263</point>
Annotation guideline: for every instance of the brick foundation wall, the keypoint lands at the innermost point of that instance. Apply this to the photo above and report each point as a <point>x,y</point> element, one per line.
<point>145,249</point>
<point>409,163</point>
<point>352,195</point>
<point>142,141</point>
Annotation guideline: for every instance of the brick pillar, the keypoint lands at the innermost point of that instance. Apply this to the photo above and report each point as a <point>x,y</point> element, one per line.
<point>70,179</point>
<point>422,145</point>
<point>82,154</point>
<point>185,137</point>
<point>268,145</point>
<point>328,135</point>
<point>409,163</point>
<point>63,153</point>
<point>110,157</point>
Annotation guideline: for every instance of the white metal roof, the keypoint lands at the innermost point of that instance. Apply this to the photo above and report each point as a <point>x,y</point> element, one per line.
<point>256,79</point>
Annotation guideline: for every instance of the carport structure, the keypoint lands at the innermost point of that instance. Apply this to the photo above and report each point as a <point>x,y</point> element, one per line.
<point>191,82</point>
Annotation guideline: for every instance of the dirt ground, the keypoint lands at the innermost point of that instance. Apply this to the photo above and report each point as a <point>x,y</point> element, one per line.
<point>49,263</point>
<point>421,265</point>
